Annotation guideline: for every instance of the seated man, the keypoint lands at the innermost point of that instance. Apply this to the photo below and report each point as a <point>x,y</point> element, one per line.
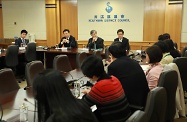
<point>95,42</point>
<point>107,94</point>
<point>22,41</point>
<point>68,40</point>
<point>130,74</point>
<point>122,39</point>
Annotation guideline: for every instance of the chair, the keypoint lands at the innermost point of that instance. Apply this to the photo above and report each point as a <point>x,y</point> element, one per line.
<point>175,45</point>
<point>138,116</point>
<point>185,54</point>
<point>30,53</point>
<point>11,57</point>
<point>183,51</point>
<point>31,70</point>
<point>61,63</point>
<point>97,53</point>
<point>8,81</point>
<point>169,80</point>
<point>79,58</point>
<point>181,62</point>
<point>156,105</point>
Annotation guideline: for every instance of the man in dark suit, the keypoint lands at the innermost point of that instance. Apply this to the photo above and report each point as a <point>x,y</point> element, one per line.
<point>22,41</point>
<point>122,39</point>
<point>95,42</point>
<point>68,40</point>
<point>130,74</point>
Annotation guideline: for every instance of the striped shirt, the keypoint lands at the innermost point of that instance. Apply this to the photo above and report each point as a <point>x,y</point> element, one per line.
<point>109,97</point>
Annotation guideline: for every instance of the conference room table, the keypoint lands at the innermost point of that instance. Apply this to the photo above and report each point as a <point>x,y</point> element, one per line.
<point>12,101</point>
<point>47,55</point>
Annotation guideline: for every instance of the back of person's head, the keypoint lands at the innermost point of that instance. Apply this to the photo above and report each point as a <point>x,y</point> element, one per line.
<point>53,96</point>
<point>154,53</point>
<point>24,31</point>
<point>92,66</point>
<point>166,36</point>
<point>163,46</point>
<point>170,44</point>
<point>117,49</point>
<point>160,38</point>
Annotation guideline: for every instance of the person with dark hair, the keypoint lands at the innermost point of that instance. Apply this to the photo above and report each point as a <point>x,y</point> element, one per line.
<point>22,41</point>
<point>166,58</point>
<point>166,36</point>
<point>68,40</point>
<point>160,38</point>
<point>55,102</point>
<point>153,57</point>
<point>107,94</point>
<point>130,74</point>
<point>122,39</point>
<point>95,42</point>
<point>174,53</point>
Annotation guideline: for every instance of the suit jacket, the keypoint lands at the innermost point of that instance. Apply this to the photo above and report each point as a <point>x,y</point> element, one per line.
<point>19,41</point>
<point>72,42</point>
<point>125,41</point>
<point>98,42</point>
<point>132,78</point>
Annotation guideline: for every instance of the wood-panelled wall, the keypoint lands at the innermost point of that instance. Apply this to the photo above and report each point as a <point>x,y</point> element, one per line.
<point>69,17</point>
<point>1,22</point>
<point>161,17</point>
<point>52,22</point>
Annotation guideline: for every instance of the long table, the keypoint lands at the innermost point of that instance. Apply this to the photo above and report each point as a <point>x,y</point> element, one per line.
<point>12,100</point>
<point>47,56</point>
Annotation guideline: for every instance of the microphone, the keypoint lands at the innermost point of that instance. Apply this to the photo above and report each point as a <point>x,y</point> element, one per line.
<point>25,99</point>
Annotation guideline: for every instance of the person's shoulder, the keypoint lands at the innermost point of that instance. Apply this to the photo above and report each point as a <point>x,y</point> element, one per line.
<point>116,39</point>
<point>18,39</point>
<point>72,37</point>
<point>126,39</point>
<point>99,38</point>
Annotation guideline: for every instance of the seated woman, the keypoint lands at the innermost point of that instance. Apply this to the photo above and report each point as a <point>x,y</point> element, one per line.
<point>153,57</point>
<point>55,102</point>
<point>107,94</point>
<point>166,58</point>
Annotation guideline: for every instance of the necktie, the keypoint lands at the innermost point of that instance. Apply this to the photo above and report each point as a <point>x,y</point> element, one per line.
<point>23,41</point>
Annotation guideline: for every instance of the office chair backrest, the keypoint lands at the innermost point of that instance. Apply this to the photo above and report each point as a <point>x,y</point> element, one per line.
<point>79,58</point>
<point>138,116</point>
<point>183,51</point>
<point>181,62</point>
<point>169,80</point>
<point>8,81</point>
<point>11,57</point>
<point>30,53</point>
<point>31,70</point>
<point>156,105</point>
<point>61,63</point>
<point>97,53</point>
<point>185,54</point>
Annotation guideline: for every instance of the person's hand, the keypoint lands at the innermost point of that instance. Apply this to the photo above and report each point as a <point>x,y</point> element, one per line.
<point>93,40</point>
<point>64,41</point>
<point>86,91</point>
